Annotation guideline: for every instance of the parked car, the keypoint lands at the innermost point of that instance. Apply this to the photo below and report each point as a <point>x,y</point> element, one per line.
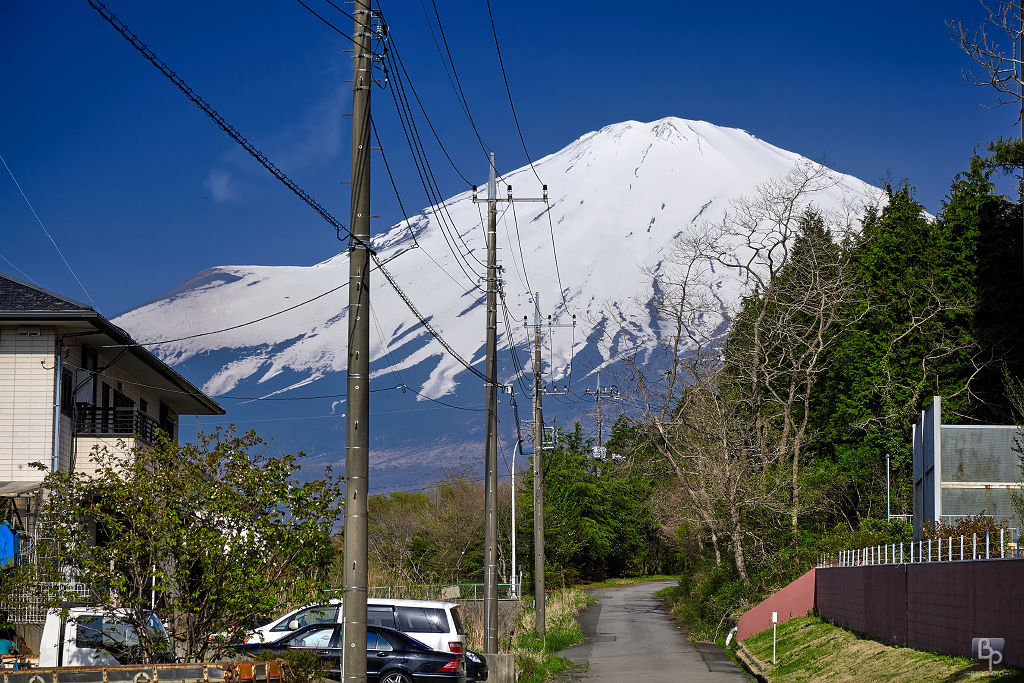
<point>476,667</point>
<point>438,624</point>
<point>391,656</point>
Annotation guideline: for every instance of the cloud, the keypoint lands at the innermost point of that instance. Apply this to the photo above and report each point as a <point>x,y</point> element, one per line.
<point>218,184</point>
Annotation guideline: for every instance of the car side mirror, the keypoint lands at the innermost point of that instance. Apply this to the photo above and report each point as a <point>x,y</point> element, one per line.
<point>293,624</point>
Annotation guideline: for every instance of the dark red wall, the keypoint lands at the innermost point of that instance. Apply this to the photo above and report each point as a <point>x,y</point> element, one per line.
<point>795,600</point>
<point>937,607</point>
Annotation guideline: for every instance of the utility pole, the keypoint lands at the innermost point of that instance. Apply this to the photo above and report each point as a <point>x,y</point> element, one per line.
<point>538,475</point>
<point>611,392</point>
<point>538,463</point>
<point>491,432</point>
<point>357,436</point>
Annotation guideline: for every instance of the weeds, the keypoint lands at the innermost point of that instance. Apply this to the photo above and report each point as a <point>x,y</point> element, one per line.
<point>537,657</point>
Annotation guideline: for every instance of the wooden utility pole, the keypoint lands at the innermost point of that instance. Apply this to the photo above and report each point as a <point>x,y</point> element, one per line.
<point>357,435</point>
<point>491,431</point>
<point>538,474</point>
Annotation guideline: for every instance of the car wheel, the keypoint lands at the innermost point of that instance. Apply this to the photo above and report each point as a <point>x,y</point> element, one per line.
<point>394,677</point>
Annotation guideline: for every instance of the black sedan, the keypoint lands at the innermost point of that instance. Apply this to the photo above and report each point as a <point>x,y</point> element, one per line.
<point>391,656</point>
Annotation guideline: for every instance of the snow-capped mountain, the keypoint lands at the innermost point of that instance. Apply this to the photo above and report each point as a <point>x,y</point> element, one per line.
<point>617,198</point>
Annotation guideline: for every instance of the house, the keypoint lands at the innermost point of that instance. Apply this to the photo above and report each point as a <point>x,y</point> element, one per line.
<point>71,380</point>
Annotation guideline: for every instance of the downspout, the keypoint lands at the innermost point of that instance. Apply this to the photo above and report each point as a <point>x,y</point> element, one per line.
<point>58,367</point>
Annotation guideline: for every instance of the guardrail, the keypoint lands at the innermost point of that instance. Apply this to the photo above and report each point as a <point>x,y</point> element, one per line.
<point>988,546</point>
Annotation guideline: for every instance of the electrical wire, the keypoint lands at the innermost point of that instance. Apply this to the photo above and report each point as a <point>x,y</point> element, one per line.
<point>462,95</point>
<point>228,329</point>
<point>133,39</point>
<point>126,33</point>
<point>47,232</point>
<point>435,197</point>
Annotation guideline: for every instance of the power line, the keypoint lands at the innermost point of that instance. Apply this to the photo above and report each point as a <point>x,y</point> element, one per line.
<point>126,33</point>
<point>508,90</point>
<point>133,39</point>
<point>228,329</point>
<point>47,232</point>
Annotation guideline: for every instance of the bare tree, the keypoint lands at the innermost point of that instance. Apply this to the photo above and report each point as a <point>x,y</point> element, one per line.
<point>1001,68</point>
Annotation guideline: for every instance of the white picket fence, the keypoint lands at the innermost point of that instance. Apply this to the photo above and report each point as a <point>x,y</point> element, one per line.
<point>988,546</point>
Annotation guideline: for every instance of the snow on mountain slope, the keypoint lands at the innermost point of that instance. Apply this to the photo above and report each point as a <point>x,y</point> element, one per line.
<point>617,199</point>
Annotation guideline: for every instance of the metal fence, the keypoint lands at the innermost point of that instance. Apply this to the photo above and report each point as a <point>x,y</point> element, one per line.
<point>987,546</point>
<point>464,592</point>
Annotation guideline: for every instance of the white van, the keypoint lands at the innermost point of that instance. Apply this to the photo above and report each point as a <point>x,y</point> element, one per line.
<point>92,636</point>
<point>436,624</point>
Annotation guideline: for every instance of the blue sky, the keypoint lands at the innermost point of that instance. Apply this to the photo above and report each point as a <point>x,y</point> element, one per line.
<point>140,190</point>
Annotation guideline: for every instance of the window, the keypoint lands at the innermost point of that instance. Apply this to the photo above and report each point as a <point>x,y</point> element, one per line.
<point>143,405</point>
<point>318,638</point>
<point>90,632</point>
<point>383,645</point>
<point>371,641</point>
<point>67,394</point>
<point>458,621</point>
<point>319,614</point>
<point>422,620</point>
<point>380,616</point>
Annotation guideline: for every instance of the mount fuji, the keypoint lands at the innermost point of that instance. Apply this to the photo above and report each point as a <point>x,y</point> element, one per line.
<point>617,199</point>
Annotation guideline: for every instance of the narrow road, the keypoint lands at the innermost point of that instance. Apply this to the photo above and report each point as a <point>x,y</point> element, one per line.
<point>630,638</point>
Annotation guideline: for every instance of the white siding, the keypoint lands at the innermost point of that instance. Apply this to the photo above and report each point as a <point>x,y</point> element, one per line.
<point>86,444</point>
<point>26,403</point>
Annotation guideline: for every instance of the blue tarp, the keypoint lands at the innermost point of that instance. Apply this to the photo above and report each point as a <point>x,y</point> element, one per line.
<point>8,546</point>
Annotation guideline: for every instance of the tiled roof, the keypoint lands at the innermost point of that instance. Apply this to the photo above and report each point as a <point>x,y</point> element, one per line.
<point>16,295</point>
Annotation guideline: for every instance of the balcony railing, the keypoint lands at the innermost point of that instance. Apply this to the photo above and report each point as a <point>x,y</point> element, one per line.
<point>115,422</point>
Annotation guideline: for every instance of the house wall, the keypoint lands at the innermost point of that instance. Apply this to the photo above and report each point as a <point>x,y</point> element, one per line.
<point>27,396</point>
<point>26,402</point>
<point>86,444</point>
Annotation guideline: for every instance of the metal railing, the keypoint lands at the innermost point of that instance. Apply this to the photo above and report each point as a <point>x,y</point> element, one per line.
<point>462,592</point>
<point>987,546</point>
<point>126,422</point>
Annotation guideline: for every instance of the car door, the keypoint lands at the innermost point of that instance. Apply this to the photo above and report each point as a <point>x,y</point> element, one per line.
<point>321,639</point>
<point>379,654</point>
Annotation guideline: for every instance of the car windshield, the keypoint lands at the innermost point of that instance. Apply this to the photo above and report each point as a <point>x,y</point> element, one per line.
<point>121,639</point>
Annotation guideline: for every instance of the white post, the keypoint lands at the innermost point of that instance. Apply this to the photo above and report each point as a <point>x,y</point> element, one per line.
<point>986,544</point>
<point>1001,554</point>
<point>961,547</point>
<point>775,622</point>
<point>974,546</point>
<point>930,549</point>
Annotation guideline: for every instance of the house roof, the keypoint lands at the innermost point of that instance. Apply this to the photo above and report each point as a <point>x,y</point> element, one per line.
<point>24,303</point>
<point>16,295</point>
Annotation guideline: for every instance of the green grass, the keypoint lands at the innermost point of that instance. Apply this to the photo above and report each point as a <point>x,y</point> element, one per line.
<point>537,657</point>
<point>809,649</point>
<point>613,583</point>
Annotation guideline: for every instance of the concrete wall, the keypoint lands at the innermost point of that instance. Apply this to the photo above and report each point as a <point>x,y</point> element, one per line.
<point>937,607</point>
<point>795,600</point>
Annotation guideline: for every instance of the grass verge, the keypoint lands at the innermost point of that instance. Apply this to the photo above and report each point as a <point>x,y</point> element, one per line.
<point>809,649</point>
<point>537,658</point>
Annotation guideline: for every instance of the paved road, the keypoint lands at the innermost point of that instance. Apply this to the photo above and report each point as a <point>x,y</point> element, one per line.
<point>630,638</point>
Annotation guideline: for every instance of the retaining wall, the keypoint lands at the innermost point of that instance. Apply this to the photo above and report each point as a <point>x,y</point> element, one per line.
<point>795,600</point>
<point>937,607</point>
